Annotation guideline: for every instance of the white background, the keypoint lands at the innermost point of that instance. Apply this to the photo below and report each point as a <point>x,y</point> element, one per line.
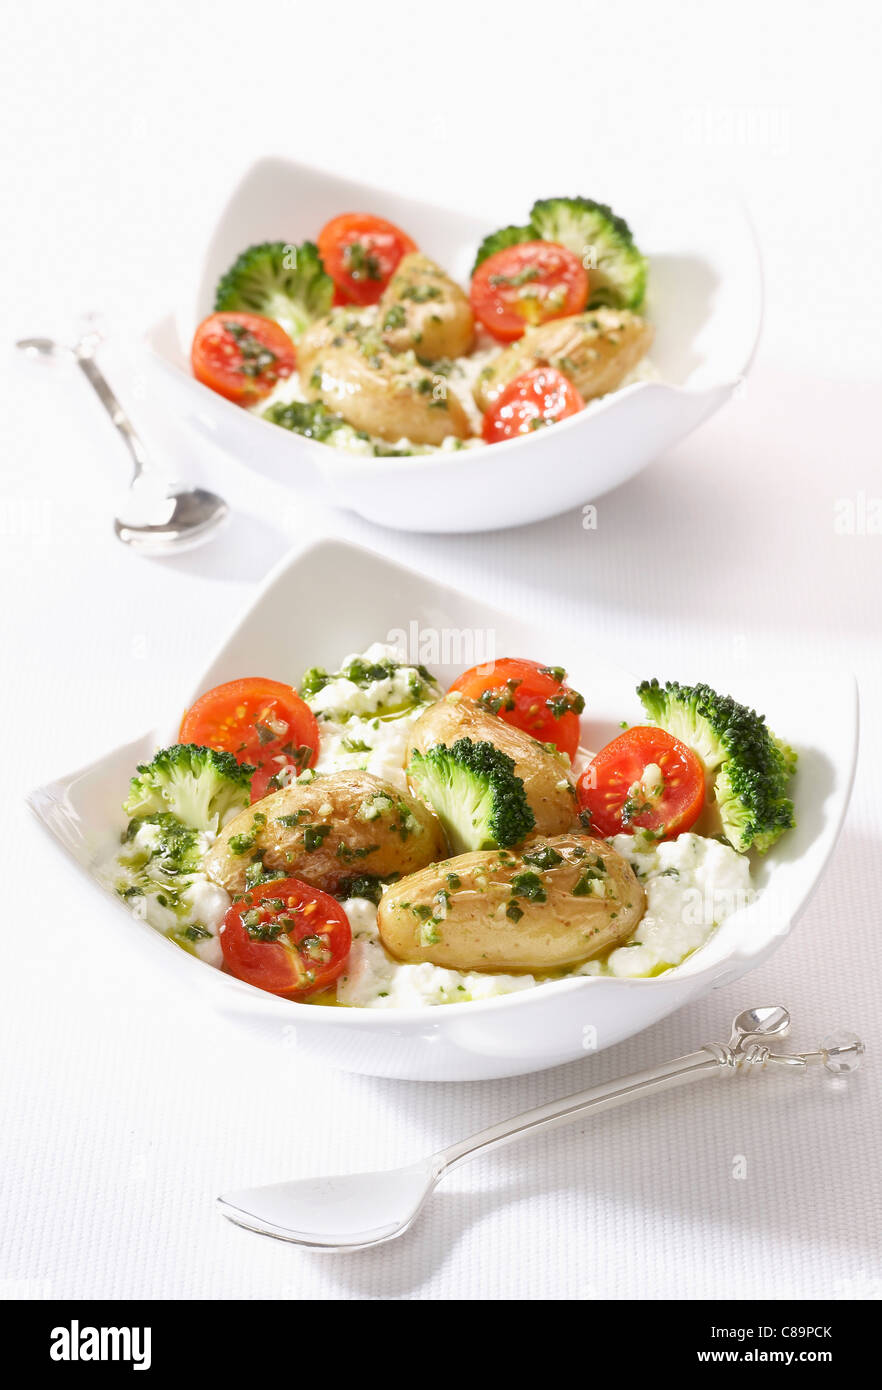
<point>125,1111</point>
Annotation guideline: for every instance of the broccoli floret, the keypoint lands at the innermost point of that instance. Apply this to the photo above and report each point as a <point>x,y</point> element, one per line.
<point>748,767</point>
<point>281,282</point>
<point>602,241</point>
<point>201,786</point>
<point>498,241</point>
<point>474,790</point>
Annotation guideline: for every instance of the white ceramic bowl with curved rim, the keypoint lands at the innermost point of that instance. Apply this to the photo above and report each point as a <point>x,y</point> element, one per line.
<point>705,300</point>
<point>366,598</point>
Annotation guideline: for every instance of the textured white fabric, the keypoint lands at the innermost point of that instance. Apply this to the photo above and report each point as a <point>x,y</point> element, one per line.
<point>126,1108</point>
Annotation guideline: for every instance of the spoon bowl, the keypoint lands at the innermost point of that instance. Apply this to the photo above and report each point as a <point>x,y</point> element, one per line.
<point>347,1212</point>
<point>155,518</point>
<point>172,520</point>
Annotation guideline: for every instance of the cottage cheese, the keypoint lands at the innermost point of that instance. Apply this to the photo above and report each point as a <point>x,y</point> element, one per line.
<point>202,904</point>
<point>373,980</point>
<point>367,726</point>
<point>692,884</point>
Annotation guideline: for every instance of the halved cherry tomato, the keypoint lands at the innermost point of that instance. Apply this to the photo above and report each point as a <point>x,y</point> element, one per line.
<point>531,697</point>
<point>259,721</point>
<point>241,356</point>
<point>526,284</point>
<point>286,937</point>
<point>644,780</point>
<point>535,398</point>
<point>360,253</point>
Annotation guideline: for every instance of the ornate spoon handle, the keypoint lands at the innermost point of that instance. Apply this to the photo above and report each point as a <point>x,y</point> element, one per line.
<point>745,1052</point>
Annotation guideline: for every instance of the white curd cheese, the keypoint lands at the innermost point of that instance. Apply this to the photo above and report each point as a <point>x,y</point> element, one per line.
<point>373,980</point>
<point>207,905</point>
<point>692,884</point>
<point>188,908</point>
<point>366,724</point>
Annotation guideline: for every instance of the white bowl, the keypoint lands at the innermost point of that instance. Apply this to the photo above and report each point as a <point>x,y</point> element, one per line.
<point>705,299</point>
<point>366,598</point>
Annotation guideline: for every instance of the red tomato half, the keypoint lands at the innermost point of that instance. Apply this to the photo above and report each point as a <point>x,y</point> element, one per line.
<point>536,398</point>
<point>261,722</point>
<point>530,283</point>
<point>241,356</point>
<point>531,697</point>
<point>616,791</point>
<point>360,253</point>
<point>286,937</point>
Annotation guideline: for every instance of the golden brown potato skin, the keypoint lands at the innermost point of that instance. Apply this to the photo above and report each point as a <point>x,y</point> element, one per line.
<point>402,838</point>
<point>594,350</point>
<point>423,309</point>
<point>547,779</point>
<point>471,928</point>
<point>349,368</point>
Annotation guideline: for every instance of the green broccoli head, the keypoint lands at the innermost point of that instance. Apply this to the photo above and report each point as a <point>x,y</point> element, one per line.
<point>498,241</point>
<point>473,789</point>
<point>748,767</point>
<point>602,241</point>
<point>201,786</point>
<point>278,281</point>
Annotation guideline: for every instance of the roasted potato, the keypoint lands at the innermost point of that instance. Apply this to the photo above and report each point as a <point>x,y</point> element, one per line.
<point>344,363</point>
<point>336,827</point>
<point>557,902</point>
<point>424,310</point>
<point>594,350</point>
<point>547,778</point>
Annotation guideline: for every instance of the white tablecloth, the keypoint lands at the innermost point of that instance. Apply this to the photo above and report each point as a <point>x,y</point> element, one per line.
<point>125,1110</point>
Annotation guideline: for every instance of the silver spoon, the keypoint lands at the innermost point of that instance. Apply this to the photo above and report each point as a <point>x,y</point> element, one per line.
<point>357,1210</point>
<point>155,519</point>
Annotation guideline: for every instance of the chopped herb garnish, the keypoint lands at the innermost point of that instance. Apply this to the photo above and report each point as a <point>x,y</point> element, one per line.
<point>313,836</point>
<point>241,844</point>
<point>347,854</point>
<point>196,932</point>
<point>544,857</point>
<point>395,317</point>
<point>564,702</point>
<point>528,885</point>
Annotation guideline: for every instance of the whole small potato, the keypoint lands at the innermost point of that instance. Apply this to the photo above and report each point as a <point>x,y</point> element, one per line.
<point>336,827</point>
<point>594,350</point>
<point>424,310</point>
<point>344,363</point>
<point>547,777</point>
<point>560,901</point>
